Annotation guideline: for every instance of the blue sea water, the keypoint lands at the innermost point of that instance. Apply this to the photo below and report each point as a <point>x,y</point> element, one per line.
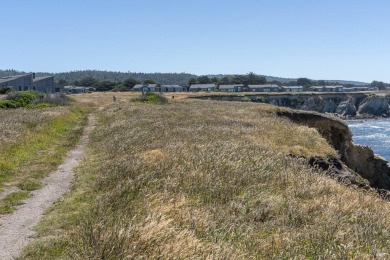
<point>372,133</point>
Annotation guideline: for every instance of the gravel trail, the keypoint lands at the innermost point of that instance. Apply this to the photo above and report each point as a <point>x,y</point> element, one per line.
<point>16,229</point>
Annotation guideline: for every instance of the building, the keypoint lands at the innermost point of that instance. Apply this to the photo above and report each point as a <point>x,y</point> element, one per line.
<point>30,82</point>
<point>167,88</point>
<point>146,87</point>
<point>77,89</point>
<point>333,88</point>
<point>292,89</point>
<point>202,87</point>
<point>46,85</point>
<point>18,83</point>
<point>231,88</point>
<point>263,88</point>
<point>178,88</point>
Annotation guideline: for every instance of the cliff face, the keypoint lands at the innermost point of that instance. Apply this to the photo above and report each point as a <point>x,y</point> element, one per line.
<point>360,159</point>
<point>345,105</point>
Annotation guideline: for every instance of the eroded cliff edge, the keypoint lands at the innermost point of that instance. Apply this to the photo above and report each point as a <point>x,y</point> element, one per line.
<point>361,159</point>
<point>346,105</point>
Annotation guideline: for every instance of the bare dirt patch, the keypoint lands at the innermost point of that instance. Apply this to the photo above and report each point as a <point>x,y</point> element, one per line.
<point>16,230</point>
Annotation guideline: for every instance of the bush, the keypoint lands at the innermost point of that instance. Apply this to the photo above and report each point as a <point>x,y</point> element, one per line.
<point>6,90</point>
<point>53,100</point>
<point>8,104</point>
<point>152,98</point>
<point>261,99</point>
<point>24,98</point>
<point>246,99</point>
<point>32,99</point>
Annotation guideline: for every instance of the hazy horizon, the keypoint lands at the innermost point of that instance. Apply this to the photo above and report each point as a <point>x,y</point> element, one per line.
<point>332,40</point>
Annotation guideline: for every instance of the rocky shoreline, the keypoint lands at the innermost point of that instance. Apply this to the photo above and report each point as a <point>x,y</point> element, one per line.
<point>356,165</point>
<point>344,105</point>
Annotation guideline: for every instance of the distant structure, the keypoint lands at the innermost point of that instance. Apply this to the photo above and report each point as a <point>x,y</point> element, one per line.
<point>202,87</point>
<point>292,88</point>
<point>30,82</point>
<point>77,89</point>
<point>231,88</point>
<point>263,88</point>
<point>158,88</point>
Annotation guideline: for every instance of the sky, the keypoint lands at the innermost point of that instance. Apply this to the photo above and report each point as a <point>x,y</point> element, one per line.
<point>318,39</point>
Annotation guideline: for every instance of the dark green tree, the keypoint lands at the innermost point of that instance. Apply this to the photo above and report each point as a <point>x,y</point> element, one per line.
<point>215,80</point>
<point>275,82</point>
<point>88,81</point>
<point>379,84</point>
<point>225,80</point>
<point>62,82</point>
<point>149,81</point>
<point>130,83</point>
<point>305,82</point>
<point>204,80</point>
<point>321,83</point>
<point>192,81</point>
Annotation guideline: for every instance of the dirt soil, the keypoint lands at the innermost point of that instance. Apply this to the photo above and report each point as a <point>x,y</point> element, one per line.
<point>16,229</point>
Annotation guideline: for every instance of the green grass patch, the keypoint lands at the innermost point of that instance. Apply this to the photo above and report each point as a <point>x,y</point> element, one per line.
<point>151,98</point>
<point>9,203</point>
<point>40,147</point>
<point>30,185</point>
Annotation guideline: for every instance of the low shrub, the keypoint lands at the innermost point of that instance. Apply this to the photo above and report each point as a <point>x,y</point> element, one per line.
<point>151,98</point>
<point>53,100</point>
<point>6,90</point>
<point>8,104</point>
<point>32,99</point>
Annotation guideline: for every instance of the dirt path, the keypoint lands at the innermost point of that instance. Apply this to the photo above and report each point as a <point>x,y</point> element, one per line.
<point>16,229</point>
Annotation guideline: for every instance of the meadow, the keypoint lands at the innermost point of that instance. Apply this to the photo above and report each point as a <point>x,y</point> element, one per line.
<point>33,143</point>
<point>203,179</point>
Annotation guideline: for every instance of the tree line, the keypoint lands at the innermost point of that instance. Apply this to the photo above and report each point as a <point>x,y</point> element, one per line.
<point>124,81</point>
<point>254,79</point>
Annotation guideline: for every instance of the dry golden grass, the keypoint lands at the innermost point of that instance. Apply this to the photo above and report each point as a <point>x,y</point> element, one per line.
<point>200,179</point>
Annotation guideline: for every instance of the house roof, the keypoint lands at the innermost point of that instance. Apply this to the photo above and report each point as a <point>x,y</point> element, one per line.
<point>203,86</point>
<point>138,86</point>
<point>230,86</point>
<point>41,78</point>
<point>264,86</point>
<point>10,78</point>
<point>177,86</point>
<point>333,86</point>
<point>292,87</point>
<point>145,85</point>
<point>75,87</point>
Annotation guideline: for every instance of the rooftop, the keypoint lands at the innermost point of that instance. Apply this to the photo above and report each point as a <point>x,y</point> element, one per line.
<point>6,79</point>
<point>41,78</point>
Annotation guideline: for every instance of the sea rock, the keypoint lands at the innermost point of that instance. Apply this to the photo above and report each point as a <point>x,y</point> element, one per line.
<point>346,108</point>
<point>330,107</point>
<point>374,105</point>
<point>309,104</point>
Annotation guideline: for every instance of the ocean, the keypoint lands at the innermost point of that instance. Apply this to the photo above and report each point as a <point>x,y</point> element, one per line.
<point>372,133</point>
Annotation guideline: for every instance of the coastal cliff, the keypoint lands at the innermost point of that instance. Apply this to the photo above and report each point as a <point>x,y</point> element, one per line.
<point>345,105</point>
<point>359,159</point>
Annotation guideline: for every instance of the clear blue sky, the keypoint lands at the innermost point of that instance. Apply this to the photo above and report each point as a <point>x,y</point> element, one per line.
<point>328,39</point>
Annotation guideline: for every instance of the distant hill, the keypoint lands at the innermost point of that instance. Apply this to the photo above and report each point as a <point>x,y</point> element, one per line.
<point>162,78</point>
